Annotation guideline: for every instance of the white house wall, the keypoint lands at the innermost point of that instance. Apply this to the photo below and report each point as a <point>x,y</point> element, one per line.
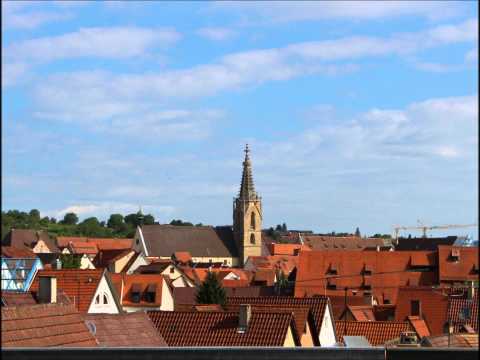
<point>167,298</point>
<point>327,331</point>
<point>101,308</point>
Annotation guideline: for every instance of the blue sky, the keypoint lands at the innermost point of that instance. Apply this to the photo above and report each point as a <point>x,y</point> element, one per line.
<point>357,113</point>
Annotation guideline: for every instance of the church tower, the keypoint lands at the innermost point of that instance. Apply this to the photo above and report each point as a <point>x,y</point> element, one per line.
<point>247,215</point>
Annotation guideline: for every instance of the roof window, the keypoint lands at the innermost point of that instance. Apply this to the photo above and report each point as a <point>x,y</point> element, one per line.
<point>135,293</point>
<point>150,293</point>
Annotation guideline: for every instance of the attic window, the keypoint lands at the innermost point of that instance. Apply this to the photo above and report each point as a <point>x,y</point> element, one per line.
<point>455,255</point>
<point>332,283</point>
<point>135,293</point>
<point>415,308</point>
<point>332,269</point>
<point>150,293</point>
<point>172,270</point>
<point>367,269</point>
<point>475,269</point>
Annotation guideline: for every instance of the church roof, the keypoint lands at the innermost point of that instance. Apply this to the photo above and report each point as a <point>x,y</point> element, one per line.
<point>200,241</point>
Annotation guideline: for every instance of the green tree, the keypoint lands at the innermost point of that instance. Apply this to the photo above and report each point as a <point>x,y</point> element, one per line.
<point>357,232</point>
<point>148,219</point>
<point>70,261</point>
<point>133,219</point>
<point>90,227</point>
<point>180,223</point>
<point>70,219</point>
<point>115,222</point>
<point>34,215</point>
<point>211,291</point>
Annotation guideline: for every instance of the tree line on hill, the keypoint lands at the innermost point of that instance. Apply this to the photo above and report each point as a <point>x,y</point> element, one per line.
<point>117,226</point>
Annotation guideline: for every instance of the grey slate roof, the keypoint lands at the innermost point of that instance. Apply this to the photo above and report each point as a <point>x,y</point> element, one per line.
<point>200,241</point>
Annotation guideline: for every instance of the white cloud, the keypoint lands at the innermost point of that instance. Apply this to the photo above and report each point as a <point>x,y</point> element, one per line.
<point>87,96</point>
<point>216,33</point>
<point>437,67</point>
<point>12,73</point>
<point>434,128</point>
<point>15,16</point>
<point>113,42</point>
<point>472,56</point>
<point>292,11</point>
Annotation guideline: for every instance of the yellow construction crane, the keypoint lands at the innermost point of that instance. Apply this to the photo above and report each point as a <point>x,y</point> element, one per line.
<point>424,228</point>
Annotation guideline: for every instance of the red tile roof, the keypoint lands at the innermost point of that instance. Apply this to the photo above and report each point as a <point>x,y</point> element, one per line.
<point>13,252</point>
<point>318,305</point>
<point>300,313</point>
<point>105,258</point>
<point>388,271</point>
<point>83,248</point>
<point>78,285</point>
<point>419,326</point>
<point>456,340</point>
<point>198,275</point>
<point>284,263</point>
<point>183,256</point>
<point>353,243</point>
<point>129,329</point>
<point>47,325</point>
<point>126,284</point>
<point>457,269</point>
<point>17,298</point>
<point>362,312</point>
<point>376,332</point>
<point>463,311</point>
<point>221,328</point>
<point>101,243</point>
<point>287,249</point>
<point>265,276</point>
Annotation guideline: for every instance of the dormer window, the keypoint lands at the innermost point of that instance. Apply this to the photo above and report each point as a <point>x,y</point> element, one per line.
<point>332,283</point>
<point>136,293</point>
<point>332,270</point>
<point>455,255</point>
<point>475,269</point>
<point>367,269</point>
<point>367,283</point>
<point>150,293</point>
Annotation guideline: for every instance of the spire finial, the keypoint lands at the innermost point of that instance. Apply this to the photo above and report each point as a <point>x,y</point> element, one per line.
<point>247,150</point>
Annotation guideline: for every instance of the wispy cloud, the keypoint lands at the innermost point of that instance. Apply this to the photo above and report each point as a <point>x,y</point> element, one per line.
<point>472,56</point>
<point>216,33</point>
<point>109,42</point>
<point>292,11</point>
<point>27,15</point>
<point>84,96</point>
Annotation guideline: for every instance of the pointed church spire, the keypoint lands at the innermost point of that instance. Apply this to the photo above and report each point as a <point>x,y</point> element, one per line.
<point>247,188</point>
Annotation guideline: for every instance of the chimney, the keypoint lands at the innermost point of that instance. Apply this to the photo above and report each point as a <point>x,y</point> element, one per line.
<point>244,315</point>
<point>47,292</point>
<point>471,291</point>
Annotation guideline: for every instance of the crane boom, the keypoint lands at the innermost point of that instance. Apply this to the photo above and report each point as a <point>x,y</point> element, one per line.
<point>425,228</point>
